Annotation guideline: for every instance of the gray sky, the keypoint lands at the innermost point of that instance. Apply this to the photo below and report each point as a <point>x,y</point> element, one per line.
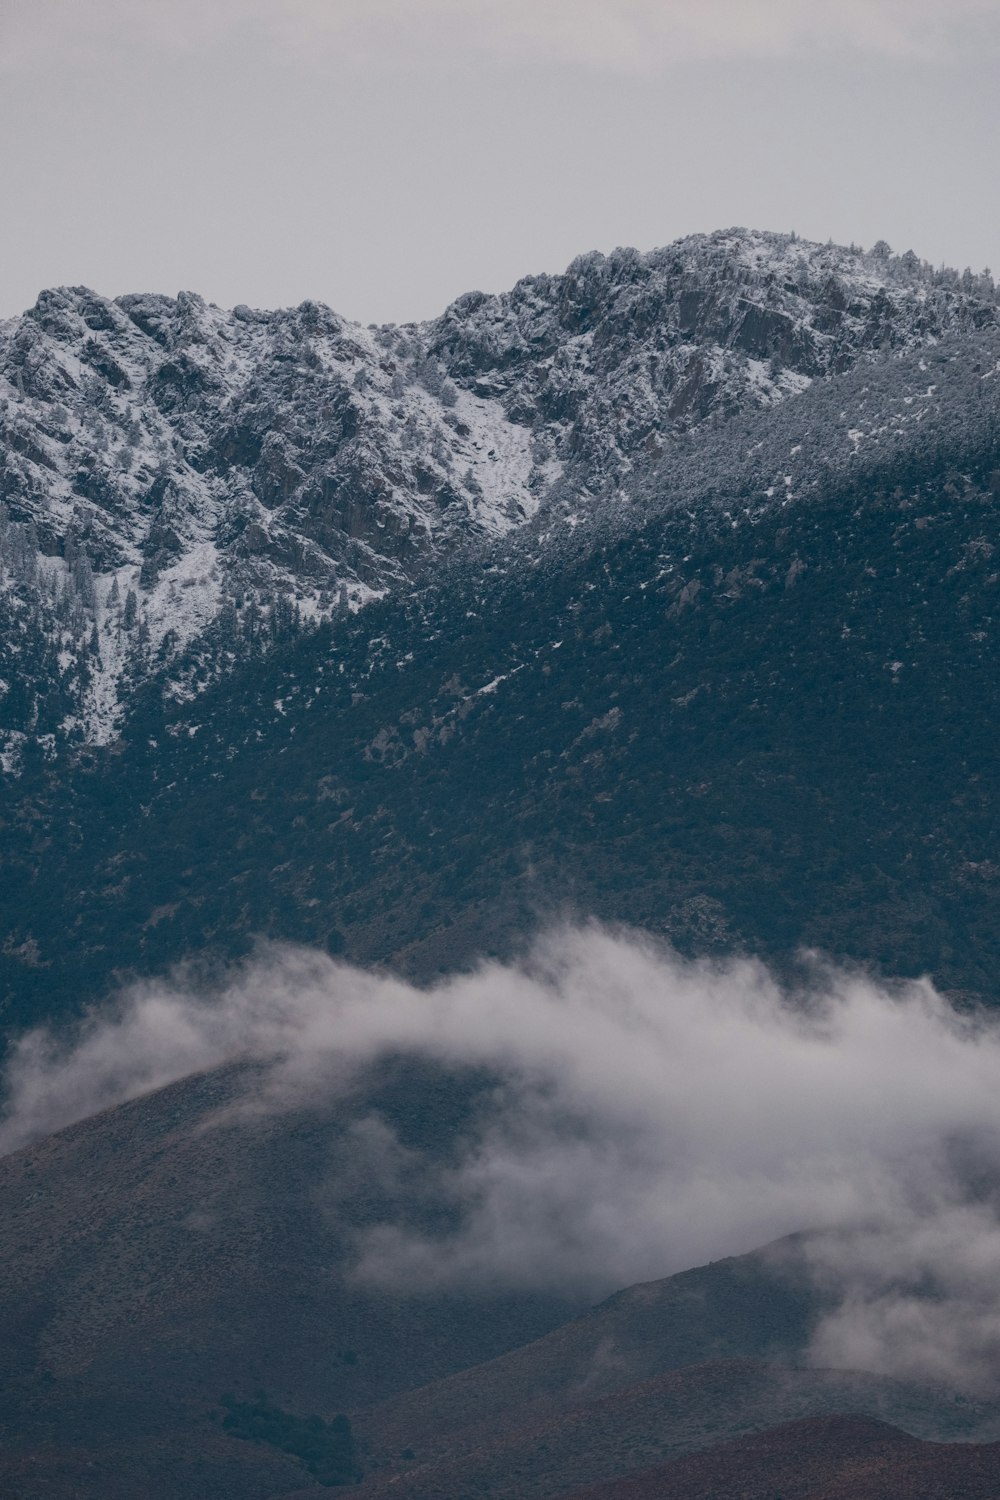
<point>386,155</point>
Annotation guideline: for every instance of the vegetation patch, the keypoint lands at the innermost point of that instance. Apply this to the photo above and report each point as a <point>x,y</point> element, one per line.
<point>326,1448</point>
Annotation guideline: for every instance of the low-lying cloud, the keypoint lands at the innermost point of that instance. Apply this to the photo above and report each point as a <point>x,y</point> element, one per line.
<point>648,1114</point>
<point>630,35</point>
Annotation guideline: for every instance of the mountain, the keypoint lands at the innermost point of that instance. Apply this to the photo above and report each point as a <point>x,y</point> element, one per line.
<point>184,1253</point>
<point>663,592</point>
<point>183,485</point>
<point>750,707</point>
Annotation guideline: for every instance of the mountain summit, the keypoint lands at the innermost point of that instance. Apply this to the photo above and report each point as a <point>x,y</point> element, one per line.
<point>182,486</point>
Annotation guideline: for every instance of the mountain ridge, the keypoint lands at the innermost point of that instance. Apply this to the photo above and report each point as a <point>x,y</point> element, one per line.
<point>183,485</point>
<point>809,626</point>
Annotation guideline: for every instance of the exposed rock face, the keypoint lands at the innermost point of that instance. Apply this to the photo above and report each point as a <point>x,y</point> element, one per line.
<point>239,474</point>
<point>626,348</point>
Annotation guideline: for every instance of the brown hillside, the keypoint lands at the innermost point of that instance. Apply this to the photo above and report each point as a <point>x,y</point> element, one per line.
<point>162,1253</point>
<point>821,1458</point>
<point>538,1452</point>
<point>757,1306</point>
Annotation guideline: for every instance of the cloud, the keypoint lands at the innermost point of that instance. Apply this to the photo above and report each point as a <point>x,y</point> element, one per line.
<point>648,1114</point>
<point>915,1294</point>
<point>630,35</point>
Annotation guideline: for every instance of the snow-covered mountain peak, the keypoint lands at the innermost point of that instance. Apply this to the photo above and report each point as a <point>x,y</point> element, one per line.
<point>182,483</point>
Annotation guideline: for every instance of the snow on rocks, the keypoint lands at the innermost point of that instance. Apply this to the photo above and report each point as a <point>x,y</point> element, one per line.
<point>189,480</point>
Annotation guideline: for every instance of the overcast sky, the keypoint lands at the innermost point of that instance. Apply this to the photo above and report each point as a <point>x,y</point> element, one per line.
<point>386,155</point>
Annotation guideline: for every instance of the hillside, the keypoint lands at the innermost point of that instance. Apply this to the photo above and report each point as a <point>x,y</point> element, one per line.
<point>148,1249</point>
<point>834,1458</point>
<point>537,1454</point>
<point>198,1241</point>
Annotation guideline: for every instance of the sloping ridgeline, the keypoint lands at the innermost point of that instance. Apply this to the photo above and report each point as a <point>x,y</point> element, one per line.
<point>755,707</point>
<point>183,486</point>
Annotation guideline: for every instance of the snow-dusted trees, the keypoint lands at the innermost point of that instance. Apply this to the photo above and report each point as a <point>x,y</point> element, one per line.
<point>18,551</point>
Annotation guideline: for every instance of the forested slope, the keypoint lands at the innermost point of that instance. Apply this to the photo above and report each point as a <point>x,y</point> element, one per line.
<point>738,712</point>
